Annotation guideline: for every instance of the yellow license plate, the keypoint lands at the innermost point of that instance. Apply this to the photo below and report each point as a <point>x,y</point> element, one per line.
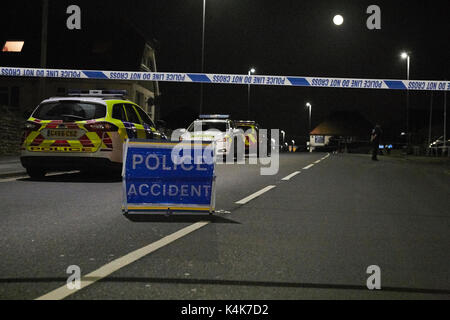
<point>62,133</point>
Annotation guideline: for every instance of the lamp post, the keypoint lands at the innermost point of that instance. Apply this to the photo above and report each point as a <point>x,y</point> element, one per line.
<point>445,124</point>
<point>203,57</point>
<point>43,57</point>
<point>252,70</point>
<point>308,105</point>
<point>405,55</point>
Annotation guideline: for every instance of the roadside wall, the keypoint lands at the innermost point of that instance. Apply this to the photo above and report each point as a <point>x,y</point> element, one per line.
<point>11,124</point>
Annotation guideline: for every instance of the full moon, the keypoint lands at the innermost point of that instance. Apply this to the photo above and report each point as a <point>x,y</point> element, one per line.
<point>338,20</point>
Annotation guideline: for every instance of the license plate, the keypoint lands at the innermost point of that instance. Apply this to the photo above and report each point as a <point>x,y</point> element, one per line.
<point>62,133</point>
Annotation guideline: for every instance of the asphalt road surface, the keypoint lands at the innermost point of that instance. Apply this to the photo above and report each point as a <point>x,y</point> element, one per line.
<point>312,236</point>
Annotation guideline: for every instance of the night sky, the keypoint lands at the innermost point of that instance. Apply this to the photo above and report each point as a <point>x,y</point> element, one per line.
<point>294,38</point>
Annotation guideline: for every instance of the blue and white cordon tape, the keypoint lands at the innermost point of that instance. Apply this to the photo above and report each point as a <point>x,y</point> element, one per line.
<point>324,82</point>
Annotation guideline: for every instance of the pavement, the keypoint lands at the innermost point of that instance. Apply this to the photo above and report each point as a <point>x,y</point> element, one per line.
<point>311,236</point>
<point>11,166</point>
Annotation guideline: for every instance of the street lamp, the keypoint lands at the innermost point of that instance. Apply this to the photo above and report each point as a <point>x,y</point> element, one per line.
<point>203,57</point>
<point>308,105</point>
<point>405,55</point>
<point>44,36</point>
<point>252,70</point>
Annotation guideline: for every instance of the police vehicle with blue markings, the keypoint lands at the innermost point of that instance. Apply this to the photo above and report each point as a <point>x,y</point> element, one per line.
<point>219,128</point>
<point>85,130</point>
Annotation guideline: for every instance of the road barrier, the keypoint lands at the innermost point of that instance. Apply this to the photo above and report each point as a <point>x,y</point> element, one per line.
<point>168,176</point>
<point>299,81</point>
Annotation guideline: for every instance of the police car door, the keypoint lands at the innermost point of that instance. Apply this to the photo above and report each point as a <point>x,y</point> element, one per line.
<point>133,126</point>
<point>149,126</point>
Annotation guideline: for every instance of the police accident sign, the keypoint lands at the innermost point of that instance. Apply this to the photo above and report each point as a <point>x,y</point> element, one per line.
<point>168,176</point>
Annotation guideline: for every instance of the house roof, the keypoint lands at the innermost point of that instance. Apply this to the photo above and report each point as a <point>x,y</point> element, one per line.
<point>344,123</point>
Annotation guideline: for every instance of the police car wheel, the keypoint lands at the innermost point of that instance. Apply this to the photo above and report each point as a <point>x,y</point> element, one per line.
<point>36,173</point>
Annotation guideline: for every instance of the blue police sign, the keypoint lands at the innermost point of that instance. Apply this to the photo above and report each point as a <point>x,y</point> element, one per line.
<point>168,176</point>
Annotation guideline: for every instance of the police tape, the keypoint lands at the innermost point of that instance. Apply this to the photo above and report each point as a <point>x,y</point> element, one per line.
<point>298,81</point>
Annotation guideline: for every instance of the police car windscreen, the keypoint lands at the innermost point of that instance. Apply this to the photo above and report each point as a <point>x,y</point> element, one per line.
<point>245,128</point>
<point>199,126</point>
<point>70,111</point>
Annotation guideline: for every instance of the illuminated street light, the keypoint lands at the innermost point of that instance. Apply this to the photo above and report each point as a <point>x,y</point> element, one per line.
<point>309,106</point>
<point>406,55</point>
<point>251,71</point>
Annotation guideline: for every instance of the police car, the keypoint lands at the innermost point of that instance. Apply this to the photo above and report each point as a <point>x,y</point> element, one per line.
<point>82,131</point>
<point>218,128</point>
<point>251,132</point>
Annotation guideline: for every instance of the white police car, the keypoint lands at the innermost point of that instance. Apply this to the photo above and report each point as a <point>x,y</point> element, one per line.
<point>219,128</point>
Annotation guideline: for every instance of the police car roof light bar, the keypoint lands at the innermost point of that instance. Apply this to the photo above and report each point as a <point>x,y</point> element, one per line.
<point>214,116</point>
<point>245,121</point>
<point>97,93</point>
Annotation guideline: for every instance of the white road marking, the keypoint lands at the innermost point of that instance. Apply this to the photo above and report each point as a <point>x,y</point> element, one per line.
<point>47,175</point>
<point>289,177</point>
<point>61,173</point>
<point>318,161</point>
<point>113,266</point>
<point>255,195</point>
<point>307,167</point>
<point>13,179</point>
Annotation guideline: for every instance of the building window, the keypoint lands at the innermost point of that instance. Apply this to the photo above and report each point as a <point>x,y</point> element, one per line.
<point>147,59</point>
<point>4,96</point>
<point>14,100</point>
<point>61,91</point>
<point>139,99</point>
<point>9,96</point>
<point>319,139</point>
<point>13,46</point>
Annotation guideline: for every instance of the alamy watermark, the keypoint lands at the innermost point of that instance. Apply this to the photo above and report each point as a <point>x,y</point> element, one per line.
<point>374,280</point>
<point>74,280</point>
<point>233,147</point>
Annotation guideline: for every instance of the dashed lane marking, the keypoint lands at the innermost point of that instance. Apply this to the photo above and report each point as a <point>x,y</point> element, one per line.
<point>255,195</point>
<point>289,177</point>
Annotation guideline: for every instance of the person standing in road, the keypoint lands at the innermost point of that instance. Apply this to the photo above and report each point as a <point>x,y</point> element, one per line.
<point>375,139</point>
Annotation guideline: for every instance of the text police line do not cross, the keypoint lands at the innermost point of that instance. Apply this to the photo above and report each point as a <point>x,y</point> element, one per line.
<point>267,80</point>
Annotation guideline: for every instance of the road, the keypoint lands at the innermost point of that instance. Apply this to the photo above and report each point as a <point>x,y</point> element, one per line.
<point>310,237</point>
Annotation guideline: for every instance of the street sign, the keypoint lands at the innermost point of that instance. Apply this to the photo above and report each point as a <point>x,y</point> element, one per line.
<point>164,176</point>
